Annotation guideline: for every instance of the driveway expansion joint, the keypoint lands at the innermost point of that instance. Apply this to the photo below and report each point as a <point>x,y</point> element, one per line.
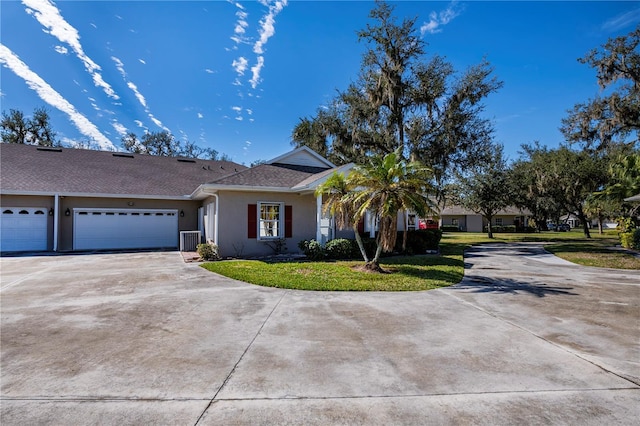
<point>284,292</point>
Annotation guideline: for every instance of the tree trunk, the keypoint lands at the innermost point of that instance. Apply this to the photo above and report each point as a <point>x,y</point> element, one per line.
<point>489,227</point>
<point>600,220</point>
<point>585,227</point>
<point>404,236</point>
<point>376,258</point>
<point>360,243</point>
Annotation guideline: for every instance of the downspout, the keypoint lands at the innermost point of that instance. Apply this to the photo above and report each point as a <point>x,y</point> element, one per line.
<point>56,219</point>
<point>215,220</point>
<point>318,218</point>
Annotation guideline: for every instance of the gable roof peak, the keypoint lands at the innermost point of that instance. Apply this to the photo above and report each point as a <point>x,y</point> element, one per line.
<point>303,156</point>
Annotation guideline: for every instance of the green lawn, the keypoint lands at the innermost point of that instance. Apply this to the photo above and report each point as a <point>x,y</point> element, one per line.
<point>414,273</point>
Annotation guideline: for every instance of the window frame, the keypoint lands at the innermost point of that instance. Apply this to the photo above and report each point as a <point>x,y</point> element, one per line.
<point>498,221</point>
<point>280,221</point>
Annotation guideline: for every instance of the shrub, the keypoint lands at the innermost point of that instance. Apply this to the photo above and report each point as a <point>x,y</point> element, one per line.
<point>339,248</point>
<point>208,251</point>
<point>631,240</point>
<point>501,228</point>
<point>450,228</point>
<point>312,249</point>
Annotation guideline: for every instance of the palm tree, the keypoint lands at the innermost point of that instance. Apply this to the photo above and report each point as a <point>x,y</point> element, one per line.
<point>335,191</point>
<point>384,187</point>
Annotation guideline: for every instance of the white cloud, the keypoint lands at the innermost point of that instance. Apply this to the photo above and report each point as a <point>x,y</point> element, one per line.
<point>49,17</point>
<point>240,65</point>
<point>53,98</point>
<point>158,123</point>
<point>119,66</point>
<point>137,93</point>
<point>267,26</point>
<point>209,71</point>
<point>61,50</point>
<point>266,31</point>
<point>249,111</point>
<point>200,115</point>
<point>239,118</point>
<point>241,25</point>
<point>139,96</point>
<point>122,130</point>
<point>622,21</point>
<point>237,109</point>
<point>436,20</point>
<point>255,72</point>
<point>139,123</point>
<point>142,61</point>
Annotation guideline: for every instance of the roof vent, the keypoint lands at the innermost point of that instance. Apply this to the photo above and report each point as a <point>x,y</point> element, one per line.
<point>48,148</point>
<point>186,160</point>
<point>118,154</point>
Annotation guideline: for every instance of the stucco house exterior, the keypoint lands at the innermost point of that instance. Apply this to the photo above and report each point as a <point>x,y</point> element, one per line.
<point>468,221</point>
<point>63,199</point>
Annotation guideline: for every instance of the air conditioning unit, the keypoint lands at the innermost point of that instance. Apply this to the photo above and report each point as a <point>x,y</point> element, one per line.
<point>189,240</point>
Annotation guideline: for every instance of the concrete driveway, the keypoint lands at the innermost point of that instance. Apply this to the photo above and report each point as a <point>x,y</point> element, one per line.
<point>147,339</point>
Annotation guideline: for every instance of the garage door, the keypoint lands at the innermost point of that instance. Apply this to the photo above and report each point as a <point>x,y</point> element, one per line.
<point>23,229</point>
<point>95,229</point>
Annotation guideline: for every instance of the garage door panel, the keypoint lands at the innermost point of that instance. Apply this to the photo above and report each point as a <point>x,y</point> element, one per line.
<point>125,229</point>
<point>23,229</point>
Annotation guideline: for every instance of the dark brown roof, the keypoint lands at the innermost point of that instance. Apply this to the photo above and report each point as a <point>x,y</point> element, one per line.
<point>270,175</point>
<point>65,170</point>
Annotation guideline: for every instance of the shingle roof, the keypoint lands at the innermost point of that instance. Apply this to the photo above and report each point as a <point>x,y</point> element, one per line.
<point>270,175</point>
<point>33,169</point>
<point>455,210</point>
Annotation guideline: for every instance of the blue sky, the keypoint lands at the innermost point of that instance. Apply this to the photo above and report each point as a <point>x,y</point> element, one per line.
<point>237,76</point>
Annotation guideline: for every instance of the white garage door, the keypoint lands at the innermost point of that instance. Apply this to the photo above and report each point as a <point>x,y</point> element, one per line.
<point>23,229</point>
<point>124,229</point>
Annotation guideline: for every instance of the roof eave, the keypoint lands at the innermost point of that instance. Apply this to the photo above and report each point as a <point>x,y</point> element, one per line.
<point>95,195</point>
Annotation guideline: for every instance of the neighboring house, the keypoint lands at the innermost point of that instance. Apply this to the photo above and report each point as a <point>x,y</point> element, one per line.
<point>62,199</point>
<point>469,221</point>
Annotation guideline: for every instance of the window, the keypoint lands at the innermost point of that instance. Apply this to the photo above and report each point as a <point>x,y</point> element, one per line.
<point>455,222</point>
<point>270,220</point>
<point>498,221</point>
<point>411,222</point>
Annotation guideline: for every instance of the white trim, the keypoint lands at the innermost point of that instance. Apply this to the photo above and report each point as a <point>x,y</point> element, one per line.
<point>215,220</point>
<point>122,210</point>
<point>314,184</point>
<point>300,149</point>
<point>318,217</point>
<point>95,195</point>
<point>281,220</point>
<point>56,220</point>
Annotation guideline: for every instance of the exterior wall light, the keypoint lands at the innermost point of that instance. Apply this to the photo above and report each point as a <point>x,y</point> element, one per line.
<point>51,211</point>
<point>67,212</point>
<point>181,213</point>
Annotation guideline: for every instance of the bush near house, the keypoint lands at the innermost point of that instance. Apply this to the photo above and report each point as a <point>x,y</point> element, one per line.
<point>502,229</point>
<point>340,248</point>
<point>450,228</point>
<point>631,240</point>
<point>208,251</point>
<point>312,249</point>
